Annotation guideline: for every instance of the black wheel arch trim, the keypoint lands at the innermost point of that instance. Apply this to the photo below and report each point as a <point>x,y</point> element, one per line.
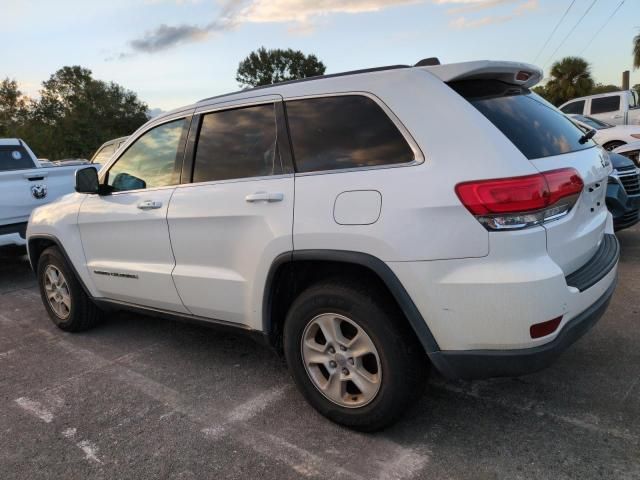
<point>58,244</point>
<point>377,266</point>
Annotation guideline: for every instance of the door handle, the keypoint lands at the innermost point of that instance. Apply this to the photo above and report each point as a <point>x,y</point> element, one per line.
<point>264,197</point>
<point>617,116</point>
<point>149,205</point>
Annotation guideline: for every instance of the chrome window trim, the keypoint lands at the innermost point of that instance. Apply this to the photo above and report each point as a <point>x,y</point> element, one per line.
<point>234,105</point>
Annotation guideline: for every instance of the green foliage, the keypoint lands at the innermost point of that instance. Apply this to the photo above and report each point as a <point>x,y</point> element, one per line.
<point>12,106</point>
<point>636,51</point>
<point>636,87</point>
<point>75,114</point>
<point>602,88</point>
<point>266,67</point>
<point>570,78</point>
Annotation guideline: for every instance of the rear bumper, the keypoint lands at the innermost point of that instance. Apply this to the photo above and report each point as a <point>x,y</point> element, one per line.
<point>480,311</point>
<point>508,363</point>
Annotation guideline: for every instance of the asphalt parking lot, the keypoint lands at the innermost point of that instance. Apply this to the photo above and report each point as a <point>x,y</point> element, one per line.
<point>146,398</point>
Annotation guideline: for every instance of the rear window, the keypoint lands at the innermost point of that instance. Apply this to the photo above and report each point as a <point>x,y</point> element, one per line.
<point>532,124</point>
<point>14,158</point>
<point>605,104</point>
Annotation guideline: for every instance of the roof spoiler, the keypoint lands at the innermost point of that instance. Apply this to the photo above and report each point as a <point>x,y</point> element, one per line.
<point>515,73</point>
<point>428,62</point>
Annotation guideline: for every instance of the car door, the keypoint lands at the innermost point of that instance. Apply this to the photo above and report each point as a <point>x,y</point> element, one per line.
<point>608,109</point>
<point>124,233</point>
<point>236,216</point>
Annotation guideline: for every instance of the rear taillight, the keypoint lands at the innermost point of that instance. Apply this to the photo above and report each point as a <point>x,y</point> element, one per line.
<point>520,202</point>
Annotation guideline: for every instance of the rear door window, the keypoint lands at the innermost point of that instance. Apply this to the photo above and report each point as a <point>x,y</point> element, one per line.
<point>574,107</point>
<point>533,125</point>
<point>240,143</point>
<point>346,131</point>
<point>14,158</point>
<point>605,104</point>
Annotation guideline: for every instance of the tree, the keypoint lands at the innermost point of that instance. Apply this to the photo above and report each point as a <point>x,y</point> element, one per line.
<point>602,88</point>
<point>636,87</point>
<point>266,67</point>
<point>570,78</point>
<point>76,113</point>
<point>12,107</point>
<point>636,51</point>
<point>542,91</point>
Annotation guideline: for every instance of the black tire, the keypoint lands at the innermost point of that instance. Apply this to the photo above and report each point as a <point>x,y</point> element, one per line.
<point>403,361</point>
<point>612,145</point>
<point>83,314</point>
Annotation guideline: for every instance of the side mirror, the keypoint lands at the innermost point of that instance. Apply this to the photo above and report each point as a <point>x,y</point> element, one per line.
<point>87,180</point>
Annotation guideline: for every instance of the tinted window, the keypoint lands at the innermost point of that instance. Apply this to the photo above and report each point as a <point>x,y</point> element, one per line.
<point>343,132</point>
<point>532,124</point>
<point>238,143</point>
<point>605,104</point>
<point>14,158</point>
<point>151,161</point>
<point>574,107</point>
<point>104,154</point>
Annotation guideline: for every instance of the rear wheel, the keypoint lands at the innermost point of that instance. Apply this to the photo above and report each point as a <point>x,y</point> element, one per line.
<point>352,356</point>
<point>68,306</point>
<point>612,145</point>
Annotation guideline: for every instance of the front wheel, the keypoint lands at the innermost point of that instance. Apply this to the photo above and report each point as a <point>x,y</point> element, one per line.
<point>68,306</point>
<point>353,357</point>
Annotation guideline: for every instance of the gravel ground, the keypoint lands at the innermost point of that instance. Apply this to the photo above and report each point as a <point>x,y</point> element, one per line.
<point>140,397</point>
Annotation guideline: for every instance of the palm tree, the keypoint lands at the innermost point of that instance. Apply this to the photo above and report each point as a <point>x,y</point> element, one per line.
<point>570,78</point>
<point>636,51</point>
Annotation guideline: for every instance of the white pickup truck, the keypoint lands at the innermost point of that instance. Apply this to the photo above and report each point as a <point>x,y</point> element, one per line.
<point>616,108</point>
<point>25,184</point>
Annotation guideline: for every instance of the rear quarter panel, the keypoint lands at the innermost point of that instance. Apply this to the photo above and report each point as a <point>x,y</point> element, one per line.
<point>421,216</point>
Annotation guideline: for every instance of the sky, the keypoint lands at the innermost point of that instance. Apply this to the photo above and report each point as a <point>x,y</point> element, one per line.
<point>175,52</point>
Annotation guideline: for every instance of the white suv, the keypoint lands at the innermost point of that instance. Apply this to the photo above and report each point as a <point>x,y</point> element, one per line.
<point>367,225</point>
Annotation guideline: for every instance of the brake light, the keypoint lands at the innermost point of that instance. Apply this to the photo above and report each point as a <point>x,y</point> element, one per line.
<point>520,202</point>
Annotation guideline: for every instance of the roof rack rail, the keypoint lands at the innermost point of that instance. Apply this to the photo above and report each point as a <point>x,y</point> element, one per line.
<point>310,79</point>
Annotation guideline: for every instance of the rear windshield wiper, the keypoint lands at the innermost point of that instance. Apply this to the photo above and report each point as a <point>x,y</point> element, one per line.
<point>587,136</point>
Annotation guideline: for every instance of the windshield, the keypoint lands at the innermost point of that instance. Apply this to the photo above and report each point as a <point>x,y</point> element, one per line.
<point>592,122</point>
<point>532,124</point>
<point>14,158</point>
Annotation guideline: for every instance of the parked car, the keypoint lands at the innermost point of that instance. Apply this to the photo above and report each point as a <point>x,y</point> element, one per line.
<point>27,183</point>
<point>107,149</point>
<point>406,247</point>
<point>607,135</point>
<point>632,151</point>
<point>618,108</point>
<point>623,192</point>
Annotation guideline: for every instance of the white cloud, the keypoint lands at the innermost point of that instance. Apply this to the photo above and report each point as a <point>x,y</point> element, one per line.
<point>521,8</point>
<point>302,15</point>
<point>301,11</point>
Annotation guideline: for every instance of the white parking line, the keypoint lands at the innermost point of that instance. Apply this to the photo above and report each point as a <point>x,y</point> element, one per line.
<point>35,408</point>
